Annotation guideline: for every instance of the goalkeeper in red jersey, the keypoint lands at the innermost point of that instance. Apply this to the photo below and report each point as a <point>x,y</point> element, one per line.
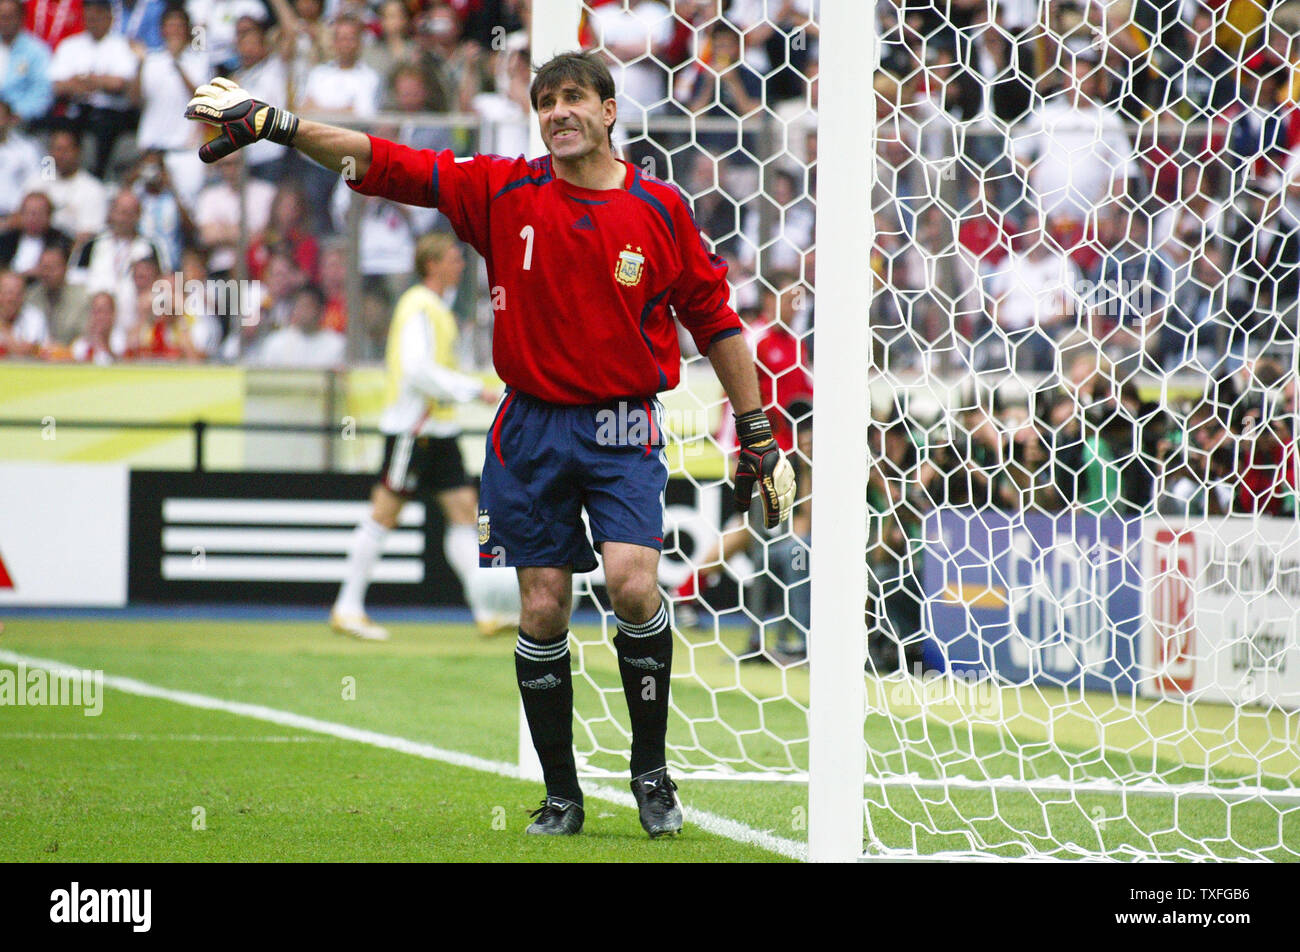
<point>589,261</point>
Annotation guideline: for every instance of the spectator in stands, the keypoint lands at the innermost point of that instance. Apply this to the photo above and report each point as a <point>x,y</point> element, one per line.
<point>784,378</point>
<point>1134,287</point>
<point>395,46</point>
<point>1201,92</point>
<point>1027,483</point>
<point>333,283</point>
<point>1032,302</point>
<point>780,43</point>
<point>457,67</point>
<point>63,305</point>
<point>1190,336</point>
<point>287,232</point>
<point>790,220</point>
<point>104,261</point>
<point>488,20</point>
<point>50,21</point>
<point>1266,470</point>
<point>24,66</point>
<point>223,206</point>
<point>635,40</point>
<point>714,210</point>
<point>95,346</point>
<point>164,219</point>
<point>721,86</point>
<point>346,84</point>
<point>301,37</point>
<point>1074,151</point>
<point>1271,268</point>
<point>219,21</point>
<point>80,200</point>
<point>140,23</point>
<point>137,295</point>
<point>900,178</point>
<point>388,235</point>
<point>209,311</point>
<point>412,91</point>
<point>303,342</point>
<point>164,84</point>
<point>20,161</point>
<point>21,247</point>
<point>275,303</point>
<point>505,112</point>
<point>264,75</point>
<point>982,228</point>
<point>22,327</point>
<point>91,72</point>
<point>172,325</point>
<point>785,387</point>
<point>1258,140</point>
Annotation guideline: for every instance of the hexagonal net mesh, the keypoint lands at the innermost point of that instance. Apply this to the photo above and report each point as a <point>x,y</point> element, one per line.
<point>1084,557</point>
<point>719,105</point>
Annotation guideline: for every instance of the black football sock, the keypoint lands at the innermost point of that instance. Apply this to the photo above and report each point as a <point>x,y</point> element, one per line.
<point>546,687</point>
<point>645,662</point>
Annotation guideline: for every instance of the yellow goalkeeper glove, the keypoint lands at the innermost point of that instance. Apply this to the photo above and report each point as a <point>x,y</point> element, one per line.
<point>238,119</point>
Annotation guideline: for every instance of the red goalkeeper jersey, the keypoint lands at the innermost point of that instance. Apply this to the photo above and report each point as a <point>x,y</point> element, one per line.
<point>585,284</point>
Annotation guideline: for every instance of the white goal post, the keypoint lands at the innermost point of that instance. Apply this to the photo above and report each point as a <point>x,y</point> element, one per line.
<point>837,655</point>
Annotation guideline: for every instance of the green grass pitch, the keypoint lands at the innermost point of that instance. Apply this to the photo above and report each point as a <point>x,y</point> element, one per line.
<point>123,786</point>
<point>134,783</point>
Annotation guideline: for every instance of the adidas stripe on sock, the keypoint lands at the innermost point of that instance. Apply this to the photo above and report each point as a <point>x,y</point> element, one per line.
<point>645,661</point>
<point>546,688</point>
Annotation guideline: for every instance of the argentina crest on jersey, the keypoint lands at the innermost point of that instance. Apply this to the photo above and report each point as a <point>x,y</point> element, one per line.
<point>630,267</point>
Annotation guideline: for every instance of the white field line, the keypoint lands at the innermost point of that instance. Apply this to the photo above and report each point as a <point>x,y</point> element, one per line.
<point>704,820</point>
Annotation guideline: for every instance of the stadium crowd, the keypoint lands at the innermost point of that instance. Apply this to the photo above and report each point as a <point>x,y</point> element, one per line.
<point>1108,181</point>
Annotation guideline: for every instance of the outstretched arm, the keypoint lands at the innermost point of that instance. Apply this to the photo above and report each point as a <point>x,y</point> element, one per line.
<point>239,120</point>
<point>345,151</point>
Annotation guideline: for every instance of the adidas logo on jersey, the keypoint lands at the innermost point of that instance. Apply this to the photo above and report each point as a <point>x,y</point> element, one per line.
<point>543,684</point>
<point>645,664</point>
<point>584,224</point>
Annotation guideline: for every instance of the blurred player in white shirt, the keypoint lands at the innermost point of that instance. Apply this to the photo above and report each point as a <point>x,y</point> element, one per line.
<point>421,450</point>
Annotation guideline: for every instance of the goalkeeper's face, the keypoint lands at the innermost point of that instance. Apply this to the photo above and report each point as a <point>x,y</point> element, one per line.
<point>574,121</point>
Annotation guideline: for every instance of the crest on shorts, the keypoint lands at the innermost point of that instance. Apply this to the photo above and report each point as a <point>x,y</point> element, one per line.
<point>484,527</point>
<point>630,267</point>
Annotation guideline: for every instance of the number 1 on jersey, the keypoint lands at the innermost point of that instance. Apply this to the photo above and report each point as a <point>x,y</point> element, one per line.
<point>527,235</point>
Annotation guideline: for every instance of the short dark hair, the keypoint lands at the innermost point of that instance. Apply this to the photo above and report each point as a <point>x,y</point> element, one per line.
<point>176,9</point>
<point>312,291</point>
<point>588,70</point>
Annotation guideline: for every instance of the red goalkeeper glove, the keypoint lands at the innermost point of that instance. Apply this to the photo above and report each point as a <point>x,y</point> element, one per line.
<point>761,463</point>
<point>238,118</point>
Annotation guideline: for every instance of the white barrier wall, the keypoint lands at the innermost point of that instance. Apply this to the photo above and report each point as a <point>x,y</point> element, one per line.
<point>1221,603</point>
<point>63,534</point>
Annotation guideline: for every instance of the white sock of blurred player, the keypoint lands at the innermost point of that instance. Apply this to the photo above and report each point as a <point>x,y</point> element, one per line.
<point>492,595</point>
<point>349,613</point>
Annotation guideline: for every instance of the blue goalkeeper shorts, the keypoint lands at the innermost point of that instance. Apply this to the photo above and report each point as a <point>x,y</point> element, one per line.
<point>547,463</point>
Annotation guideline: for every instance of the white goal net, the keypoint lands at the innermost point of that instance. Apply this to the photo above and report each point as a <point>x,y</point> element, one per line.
<point>1081,630</point>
